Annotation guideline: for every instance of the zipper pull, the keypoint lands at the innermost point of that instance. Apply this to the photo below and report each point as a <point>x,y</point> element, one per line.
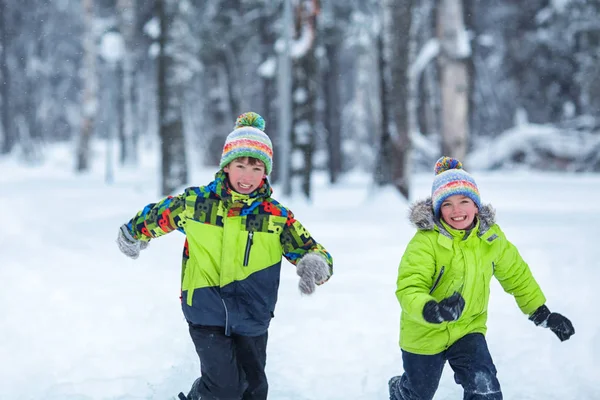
<point>248,247</point>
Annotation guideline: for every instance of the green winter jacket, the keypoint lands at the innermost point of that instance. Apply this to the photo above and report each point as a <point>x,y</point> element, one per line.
<point>440,260</point>
<point>232,254</point>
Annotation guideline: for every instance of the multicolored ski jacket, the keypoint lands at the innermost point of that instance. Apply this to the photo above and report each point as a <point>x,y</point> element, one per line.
<point>440,260</point>
<point>232,253</point>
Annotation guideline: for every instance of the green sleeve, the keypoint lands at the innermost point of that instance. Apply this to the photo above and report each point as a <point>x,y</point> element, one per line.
<point>415,275</point>
<point>516,278</point>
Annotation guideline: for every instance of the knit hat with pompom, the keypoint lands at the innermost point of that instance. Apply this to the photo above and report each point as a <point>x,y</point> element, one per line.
<point>248,139</point>
<point>450,179</point>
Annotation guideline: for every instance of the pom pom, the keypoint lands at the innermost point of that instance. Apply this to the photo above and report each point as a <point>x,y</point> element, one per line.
<point>446,163</point>
<point>250,119</point>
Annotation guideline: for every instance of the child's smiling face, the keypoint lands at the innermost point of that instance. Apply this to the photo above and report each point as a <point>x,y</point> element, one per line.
<point>459,211</point>
<point>245,174</point>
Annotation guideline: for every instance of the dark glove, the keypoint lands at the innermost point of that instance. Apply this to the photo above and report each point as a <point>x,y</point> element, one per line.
<point>558,323</point>
<point>449,309</point>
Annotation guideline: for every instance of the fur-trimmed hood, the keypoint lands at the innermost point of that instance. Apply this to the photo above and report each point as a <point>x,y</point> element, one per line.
<point>422,217</point>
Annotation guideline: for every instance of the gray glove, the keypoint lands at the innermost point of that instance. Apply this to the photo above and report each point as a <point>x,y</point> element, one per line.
<point>128,244</point>
<point>312,270</point>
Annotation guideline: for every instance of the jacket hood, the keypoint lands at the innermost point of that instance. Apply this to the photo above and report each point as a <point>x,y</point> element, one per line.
<point>422,217</point>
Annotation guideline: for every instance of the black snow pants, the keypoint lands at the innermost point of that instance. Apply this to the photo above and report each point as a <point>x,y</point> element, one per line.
<point>232,367</point>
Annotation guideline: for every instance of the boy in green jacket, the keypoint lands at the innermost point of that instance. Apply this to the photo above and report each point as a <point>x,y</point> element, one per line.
<point>443,288</point>
<point>236,236</point>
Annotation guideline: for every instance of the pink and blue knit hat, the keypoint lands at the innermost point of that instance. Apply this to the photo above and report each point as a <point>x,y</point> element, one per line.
<point>248,139</point>
<point>451,179</point>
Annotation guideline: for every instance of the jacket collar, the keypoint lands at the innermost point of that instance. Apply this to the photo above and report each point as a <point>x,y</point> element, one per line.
<point>422,217</point>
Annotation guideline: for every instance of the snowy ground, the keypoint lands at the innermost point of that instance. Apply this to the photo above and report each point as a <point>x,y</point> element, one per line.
<point>80,321</point>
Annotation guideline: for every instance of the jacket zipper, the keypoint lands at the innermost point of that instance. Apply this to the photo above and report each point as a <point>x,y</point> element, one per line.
<point>248,247</point>
<point>437,281</point>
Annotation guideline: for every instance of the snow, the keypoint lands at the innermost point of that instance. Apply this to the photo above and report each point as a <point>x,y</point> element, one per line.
<point>268,68</point>
<point>303,43</point>
<point>80,321</point>
<point>112,47</point>
<point>426,54</point>
<point>535,142</point>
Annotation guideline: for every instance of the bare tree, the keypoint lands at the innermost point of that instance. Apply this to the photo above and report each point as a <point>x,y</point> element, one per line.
<point>174,166</point>
<point>335,17</point>
<point>383,174</point>
<point>7,141</point>
<point>89,100</point>
<point>127,25</point>
<point>304,89</point>
<point>395,145</point>
<point>454,77</point>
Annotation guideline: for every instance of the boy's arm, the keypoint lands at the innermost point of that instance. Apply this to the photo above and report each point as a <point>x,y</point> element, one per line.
<point>158,219</point>
<point>415,273</point>
<point>154,220</point>
<point>313,263</point>
<point>516,278</point>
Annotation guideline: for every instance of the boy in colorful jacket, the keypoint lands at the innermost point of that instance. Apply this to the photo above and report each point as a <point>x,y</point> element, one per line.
<point>443,288</point>
<point>236,236</point>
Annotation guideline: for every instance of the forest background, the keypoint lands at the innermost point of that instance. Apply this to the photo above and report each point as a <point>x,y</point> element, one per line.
<point>384,86</point>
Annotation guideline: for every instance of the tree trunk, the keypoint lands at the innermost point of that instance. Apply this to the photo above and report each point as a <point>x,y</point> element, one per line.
<point>304,126</point>
<point>305,73</point>
<point>170,117</point>
<point>333,113</point>
<point>8,139</point>
<point>127,26</point>
<point>454,78</point>
<point>284,99</point>
<point>89,101</point>
<point>397,15</point>
<point>399,32</point>
<point>269,96</point>
<point>218,108</point>
<point>383,174</point>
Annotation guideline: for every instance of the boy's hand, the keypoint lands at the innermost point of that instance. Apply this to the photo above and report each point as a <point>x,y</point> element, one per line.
<point>128,244</point>
<point>557,323</point>
<point>449,309</point>
<point>312,270</point>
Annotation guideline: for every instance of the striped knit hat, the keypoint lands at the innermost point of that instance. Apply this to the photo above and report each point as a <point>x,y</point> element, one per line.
<point>451,179</point>
<point>248,140</point>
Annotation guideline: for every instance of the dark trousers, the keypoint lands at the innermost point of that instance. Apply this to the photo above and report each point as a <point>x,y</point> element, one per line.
<point>232,367</point>
<point>473,369</point>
